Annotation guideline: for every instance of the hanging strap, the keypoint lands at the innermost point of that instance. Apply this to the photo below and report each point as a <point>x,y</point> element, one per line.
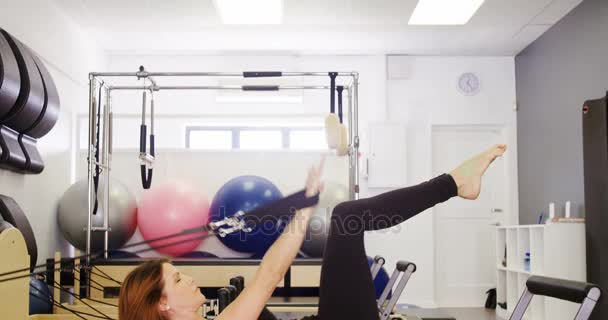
<point>332,91</point>
<point>340,89</point>
<point>147,159</point>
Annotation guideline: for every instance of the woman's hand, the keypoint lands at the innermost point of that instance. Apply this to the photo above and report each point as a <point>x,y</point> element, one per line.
<point>314,184</point>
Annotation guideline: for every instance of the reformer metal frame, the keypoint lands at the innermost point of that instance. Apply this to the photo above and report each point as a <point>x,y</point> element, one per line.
<point>99,81</point>
<point>585,294</point>
<point>403,268</point>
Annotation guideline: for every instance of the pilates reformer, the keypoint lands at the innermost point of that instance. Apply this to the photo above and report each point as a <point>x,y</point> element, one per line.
<point>227,294</point>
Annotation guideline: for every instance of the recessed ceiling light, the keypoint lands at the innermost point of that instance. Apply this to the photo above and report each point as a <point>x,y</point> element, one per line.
<point>444,12</point>
<point>250,11</point>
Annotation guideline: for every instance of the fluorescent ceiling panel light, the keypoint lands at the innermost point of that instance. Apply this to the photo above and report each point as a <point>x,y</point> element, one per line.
<point>250,11</point>
<point>444,12</point>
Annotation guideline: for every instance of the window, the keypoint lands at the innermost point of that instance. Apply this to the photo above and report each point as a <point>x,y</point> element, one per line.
<point>209,139</point>
<point>255,138</point>
<point>260,139</point>
<point>240,133</point>
<point>313,139</point>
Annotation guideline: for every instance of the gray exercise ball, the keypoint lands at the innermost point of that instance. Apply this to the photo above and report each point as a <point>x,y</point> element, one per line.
<point>72,215</point>
<point>319,224</point>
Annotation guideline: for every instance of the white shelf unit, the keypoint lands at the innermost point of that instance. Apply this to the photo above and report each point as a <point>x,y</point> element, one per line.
<point>556,250</point>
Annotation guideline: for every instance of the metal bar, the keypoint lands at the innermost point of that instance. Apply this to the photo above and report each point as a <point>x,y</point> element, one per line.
<point>584,312</point>
<point>522,305</point>
<point>99,229</point>
<point>110,142</point>
<point>99,164</point>
<point>224,87</point>
<point>152,114</point>
<point>386,311</point>
<point>209,74</point>
<point>91,188</point>
<point>356,131</point>
<point>352,157</point>
<point>389,286</point>
<point>143,107</point>
<point>106,162</point>
<point>376,266</point>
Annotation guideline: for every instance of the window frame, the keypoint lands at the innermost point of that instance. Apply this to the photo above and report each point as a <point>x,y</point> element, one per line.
<point>236,130</point>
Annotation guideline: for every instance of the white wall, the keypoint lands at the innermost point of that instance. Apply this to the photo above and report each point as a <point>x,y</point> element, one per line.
<point>69,55</point>
<point>427,97</point>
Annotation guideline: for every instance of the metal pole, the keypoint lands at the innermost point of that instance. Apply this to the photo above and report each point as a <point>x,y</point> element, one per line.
<point>224,87</point>
<point>355,126</point>
<point>522,305</point>
<point>352,157</point>
<point>91,171</point>
<point>210,74</point>
<point>106,165</point>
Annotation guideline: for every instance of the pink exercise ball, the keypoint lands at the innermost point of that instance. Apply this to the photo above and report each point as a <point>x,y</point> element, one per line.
<point>168,209</point>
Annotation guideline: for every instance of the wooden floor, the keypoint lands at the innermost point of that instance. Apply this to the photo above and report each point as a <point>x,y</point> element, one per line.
<point>471,313</point>
<point>438,314</point>
<point>450,313</point>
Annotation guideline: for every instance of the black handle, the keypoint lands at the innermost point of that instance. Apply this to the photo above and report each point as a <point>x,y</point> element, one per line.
<point>569,290</point>
<point>143,130</point>
<point>332,91</point>
<point>262,74</point>
<point>152,148</point>
<point>379,258</point>
<point>403,265</point>
<point>223,299</point>
<point>233,291</point>
<point>146,176</point>
<point>260,88</point>
<point>146,173</point>
<point>340,89</point>
<point>239,283</point>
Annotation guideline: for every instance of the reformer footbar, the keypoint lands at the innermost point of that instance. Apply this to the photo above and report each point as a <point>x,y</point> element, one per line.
<point>586,294</point>
<point>403,267</point>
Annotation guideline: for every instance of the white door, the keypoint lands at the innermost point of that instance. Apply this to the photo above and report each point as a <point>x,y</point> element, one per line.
<point>465,257</point>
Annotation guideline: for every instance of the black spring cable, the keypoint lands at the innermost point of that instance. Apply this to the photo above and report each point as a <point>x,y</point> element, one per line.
<point>100,286</point>
<point>106,276</point>
<point>58,286</point>
<point>97,168</point>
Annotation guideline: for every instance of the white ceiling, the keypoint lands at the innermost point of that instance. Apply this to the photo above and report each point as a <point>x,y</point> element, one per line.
<point>500,27</point>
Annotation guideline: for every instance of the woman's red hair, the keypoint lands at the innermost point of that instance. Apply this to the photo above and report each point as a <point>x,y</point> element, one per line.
<point>141,291</point>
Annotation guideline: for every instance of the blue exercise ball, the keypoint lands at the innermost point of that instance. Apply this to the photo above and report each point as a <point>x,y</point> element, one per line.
<point>381,279</point>
<point>246,193</point>
<point>41,298</point>
<point>198,255</point>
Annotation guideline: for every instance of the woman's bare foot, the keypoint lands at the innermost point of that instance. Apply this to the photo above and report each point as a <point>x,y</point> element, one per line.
<point>468,175</point>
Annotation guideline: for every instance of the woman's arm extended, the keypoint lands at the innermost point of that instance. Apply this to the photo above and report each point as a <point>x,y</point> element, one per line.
<point>276,261</point>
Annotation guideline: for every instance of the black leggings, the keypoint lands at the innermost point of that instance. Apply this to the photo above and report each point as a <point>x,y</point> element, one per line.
<point>347,290</point>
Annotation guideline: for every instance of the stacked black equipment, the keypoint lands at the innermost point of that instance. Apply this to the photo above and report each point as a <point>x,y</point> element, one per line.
<point>595,153</point>
<point>29,105</point>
